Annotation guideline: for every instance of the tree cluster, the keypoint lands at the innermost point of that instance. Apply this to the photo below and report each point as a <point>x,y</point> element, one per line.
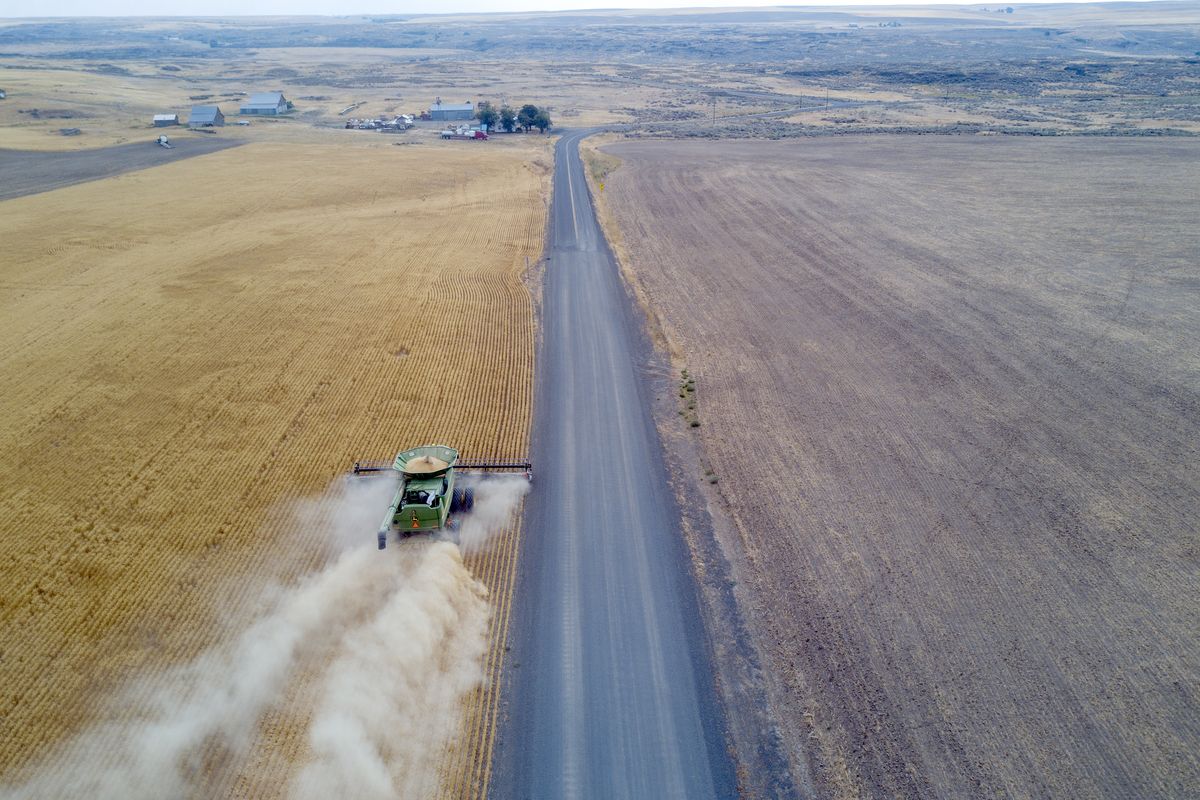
<point>508,119</point>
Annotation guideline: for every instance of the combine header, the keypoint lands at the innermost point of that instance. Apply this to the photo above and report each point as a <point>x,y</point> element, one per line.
<point>427,496</point>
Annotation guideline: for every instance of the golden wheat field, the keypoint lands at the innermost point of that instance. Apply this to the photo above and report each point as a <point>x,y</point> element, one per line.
<point>193,350</point>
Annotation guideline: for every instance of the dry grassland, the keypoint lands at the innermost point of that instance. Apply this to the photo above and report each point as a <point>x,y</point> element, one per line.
<point>194,347</point>
<point>951,395</point>
<point>110,109</point>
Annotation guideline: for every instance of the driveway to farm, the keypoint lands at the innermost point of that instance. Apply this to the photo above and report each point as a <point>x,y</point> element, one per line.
<point>33,171</point>
<point>609,692</point>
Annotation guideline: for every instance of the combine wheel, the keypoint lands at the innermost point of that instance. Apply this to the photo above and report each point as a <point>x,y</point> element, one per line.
<point>463,500</point>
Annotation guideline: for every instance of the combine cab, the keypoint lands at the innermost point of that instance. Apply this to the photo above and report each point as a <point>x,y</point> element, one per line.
<point>428,499</point>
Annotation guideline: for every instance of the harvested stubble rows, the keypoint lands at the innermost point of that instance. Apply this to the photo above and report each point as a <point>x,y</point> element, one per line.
<point>190,347</point>
<point>950,391</point>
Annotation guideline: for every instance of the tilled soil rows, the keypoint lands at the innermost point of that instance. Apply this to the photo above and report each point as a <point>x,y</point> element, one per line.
<point>950,394</point>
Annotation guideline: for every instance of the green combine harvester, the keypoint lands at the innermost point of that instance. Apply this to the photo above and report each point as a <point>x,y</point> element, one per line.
<point>427,499</point>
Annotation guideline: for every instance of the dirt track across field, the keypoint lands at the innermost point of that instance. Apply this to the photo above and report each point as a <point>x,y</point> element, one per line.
<point>33,171</point>
<point>950,392</point>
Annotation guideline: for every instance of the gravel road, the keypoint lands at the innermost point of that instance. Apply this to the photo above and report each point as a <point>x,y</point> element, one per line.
<point>609,691</point>
<point>25,172</point>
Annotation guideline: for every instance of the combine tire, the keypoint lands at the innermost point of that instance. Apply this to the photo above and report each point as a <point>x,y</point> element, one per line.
<point>463,500</point>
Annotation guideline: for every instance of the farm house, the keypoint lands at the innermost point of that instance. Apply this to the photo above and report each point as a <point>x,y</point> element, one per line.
<point>165,120</point>
<point>445,112</point>
<point>266,104</point>
<point>206,117</point>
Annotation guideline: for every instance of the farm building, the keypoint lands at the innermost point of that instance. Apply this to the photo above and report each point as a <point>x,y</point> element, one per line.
<point>444,112</point>
<point>266,104</point>
<point>165,120</point>
<point>206,117</point>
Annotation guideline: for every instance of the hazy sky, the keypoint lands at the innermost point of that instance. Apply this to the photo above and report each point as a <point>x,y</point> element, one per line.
<point>158,8</point>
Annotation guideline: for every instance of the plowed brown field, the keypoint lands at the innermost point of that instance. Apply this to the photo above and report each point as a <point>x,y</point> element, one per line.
<point>190,350</point>
<point>950,392</point>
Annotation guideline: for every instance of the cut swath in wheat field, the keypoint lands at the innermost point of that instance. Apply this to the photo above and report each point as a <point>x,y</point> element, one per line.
<point>196,345</point>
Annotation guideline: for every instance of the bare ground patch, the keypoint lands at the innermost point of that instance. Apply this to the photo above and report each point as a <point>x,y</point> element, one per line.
<point>951,393</point>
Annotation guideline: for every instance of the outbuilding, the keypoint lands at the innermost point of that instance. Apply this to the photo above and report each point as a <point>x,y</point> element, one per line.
<point>206,117</point>
<point>447,112</point>
<point>165,120</point>
<point>266,104</point>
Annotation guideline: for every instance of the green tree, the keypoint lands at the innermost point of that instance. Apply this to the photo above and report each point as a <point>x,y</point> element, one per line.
<point>487,114</point>
<point>541,121</point>
<point>508,118</point>
<point>527,115</point>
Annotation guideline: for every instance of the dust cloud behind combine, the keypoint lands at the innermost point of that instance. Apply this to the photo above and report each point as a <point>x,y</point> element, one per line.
<point>495,500</point>
<point>389,644</point>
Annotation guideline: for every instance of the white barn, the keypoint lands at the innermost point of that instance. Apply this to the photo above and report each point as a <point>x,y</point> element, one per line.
<point>268,104</point>
<point>206,117</point>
